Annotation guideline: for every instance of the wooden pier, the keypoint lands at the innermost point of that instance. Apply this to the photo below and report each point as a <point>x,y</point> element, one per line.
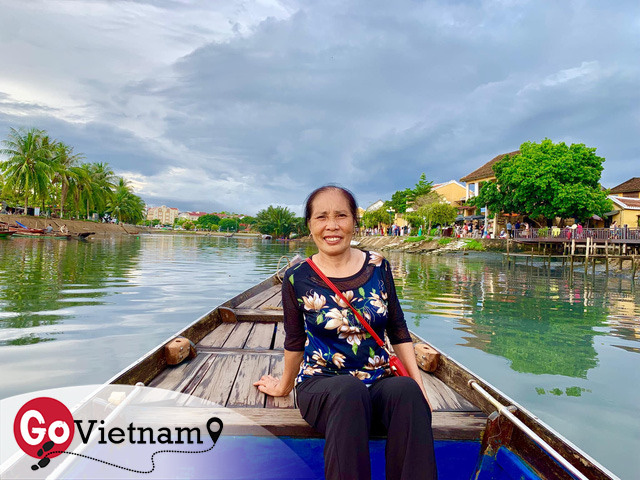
<point>578,246</point>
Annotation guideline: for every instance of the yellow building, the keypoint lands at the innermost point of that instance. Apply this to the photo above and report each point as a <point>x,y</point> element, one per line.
<point>452,192</point>
<point>483,175</point>
<point>626,211</point>
<point>477,178</point>
<point>166,215</point>
<point>193,216</point>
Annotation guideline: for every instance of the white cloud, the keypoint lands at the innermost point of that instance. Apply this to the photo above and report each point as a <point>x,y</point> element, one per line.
<point>251,103</point>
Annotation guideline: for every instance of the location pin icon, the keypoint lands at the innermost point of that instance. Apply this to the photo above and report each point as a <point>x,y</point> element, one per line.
<point>214,430</point>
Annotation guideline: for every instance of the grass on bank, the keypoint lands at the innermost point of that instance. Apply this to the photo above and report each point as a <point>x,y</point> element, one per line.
<point>421,238</point>
<point>475,245</point>
<point>414,239</point>
<point>469,243</point>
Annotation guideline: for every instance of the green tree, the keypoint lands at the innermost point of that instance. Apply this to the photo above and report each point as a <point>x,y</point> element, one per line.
<point>399,200</point>
<point>124,205</point>
<point>188,225</point>
<point>376,218</point>
<point>102,186</point>
<point>276,221</point>
<point>300,227</point>
<point>65,170</point>
<point>422,188</point>
<point>29,167</point>
<point>229,225</point>
<point>207,221</point>
<point>548,180</point>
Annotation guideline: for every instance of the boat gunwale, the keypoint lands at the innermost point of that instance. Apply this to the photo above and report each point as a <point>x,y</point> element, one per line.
<point>213,316</point>
<point>549,434</point>
<point>447,370</point>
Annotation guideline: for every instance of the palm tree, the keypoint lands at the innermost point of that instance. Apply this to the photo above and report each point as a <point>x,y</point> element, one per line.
<point>125,205</point>
<point>66,165</point>
<point>276,221</point>
<point>102,187</point>
<point>79,182</point>
<point>29,168</point>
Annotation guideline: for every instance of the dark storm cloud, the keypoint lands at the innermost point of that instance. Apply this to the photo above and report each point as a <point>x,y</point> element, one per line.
<point>366,94</point>
<point>372,97</point>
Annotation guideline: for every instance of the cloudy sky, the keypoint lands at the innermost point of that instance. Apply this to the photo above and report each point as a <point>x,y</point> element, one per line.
<point>236,105</point>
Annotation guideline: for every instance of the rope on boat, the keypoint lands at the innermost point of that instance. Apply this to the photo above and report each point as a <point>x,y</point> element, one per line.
<point>280,270</point>
<point>526,430</point>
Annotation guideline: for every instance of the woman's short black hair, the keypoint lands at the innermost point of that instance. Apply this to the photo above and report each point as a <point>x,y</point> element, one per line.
<point>351,200</point>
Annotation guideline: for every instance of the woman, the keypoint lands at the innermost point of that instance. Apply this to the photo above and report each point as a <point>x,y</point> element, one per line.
<point>344,387</point>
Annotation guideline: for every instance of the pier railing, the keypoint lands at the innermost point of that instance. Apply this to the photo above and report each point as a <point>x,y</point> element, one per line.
<point>613,235</point>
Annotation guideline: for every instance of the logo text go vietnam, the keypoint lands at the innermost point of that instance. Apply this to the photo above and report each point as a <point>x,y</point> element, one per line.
<point>42,422</point>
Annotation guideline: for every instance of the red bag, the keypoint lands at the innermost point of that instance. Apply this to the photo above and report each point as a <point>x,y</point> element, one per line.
<point>397,368</point>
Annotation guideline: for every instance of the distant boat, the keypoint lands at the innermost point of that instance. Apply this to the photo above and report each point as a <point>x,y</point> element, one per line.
<point>266,237</point>
<point>31,234</point>
<point>20,228</point>
<point>5,231</point>
<point>228,234</point>
<point>83,235</point>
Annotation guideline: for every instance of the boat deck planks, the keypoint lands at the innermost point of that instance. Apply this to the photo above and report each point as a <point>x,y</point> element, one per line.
<point>239,335</point>
<point>235,355</point>
<point>278,341</point>
<point>218,380</point>
<point>261,336</point>
<point>218,336</point>
<point>265,299</point>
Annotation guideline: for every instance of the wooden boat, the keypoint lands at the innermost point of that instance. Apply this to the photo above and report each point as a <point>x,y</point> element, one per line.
<point>5,231</point>
<point>18,227</point>
<point>479,431</point>
<point>83,235</point>
<point>43,234</point>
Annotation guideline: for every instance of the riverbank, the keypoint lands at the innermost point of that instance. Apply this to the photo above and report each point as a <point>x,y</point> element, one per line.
<point>75,227</point>
<point>433,245</point>
<point>622,267</point>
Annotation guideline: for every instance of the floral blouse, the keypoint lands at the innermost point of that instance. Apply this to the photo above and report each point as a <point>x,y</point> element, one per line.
<point>334,341</point>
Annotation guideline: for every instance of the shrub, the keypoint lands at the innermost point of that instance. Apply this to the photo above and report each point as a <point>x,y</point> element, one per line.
<point>445,241</point>
<point>475,245</point>
<point>414,239</point>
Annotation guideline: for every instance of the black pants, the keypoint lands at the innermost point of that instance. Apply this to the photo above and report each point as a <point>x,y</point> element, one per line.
<point>344,410</point>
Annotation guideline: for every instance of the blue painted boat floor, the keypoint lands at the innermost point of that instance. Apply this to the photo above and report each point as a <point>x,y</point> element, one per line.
<point>456,460</point>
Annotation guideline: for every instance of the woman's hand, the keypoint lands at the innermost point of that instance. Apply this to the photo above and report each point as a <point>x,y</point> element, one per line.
<point>271,386</point>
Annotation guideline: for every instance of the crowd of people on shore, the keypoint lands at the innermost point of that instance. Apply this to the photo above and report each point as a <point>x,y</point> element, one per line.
<point>476,229</point>
<point>391,231</point>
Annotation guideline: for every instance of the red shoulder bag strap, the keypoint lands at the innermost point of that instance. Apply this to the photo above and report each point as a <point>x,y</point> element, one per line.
<point>339,293</point>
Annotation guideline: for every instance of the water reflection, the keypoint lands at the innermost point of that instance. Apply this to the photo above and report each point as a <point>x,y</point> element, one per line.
<point>533,317</point>
<point>42,279</point>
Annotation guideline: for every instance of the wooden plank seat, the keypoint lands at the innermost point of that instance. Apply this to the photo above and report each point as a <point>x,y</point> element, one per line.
<point>288,422</point>
<point>234,355</point>
<point>231,315</point>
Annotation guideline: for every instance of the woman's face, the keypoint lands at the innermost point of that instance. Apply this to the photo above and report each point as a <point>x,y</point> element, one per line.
<point>332,224</point>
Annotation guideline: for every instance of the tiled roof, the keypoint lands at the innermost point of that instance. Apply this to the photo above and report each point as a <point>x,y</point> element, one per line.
<point>486,170</point>
<point>625,202</point>
<point>632,185</point>
<point>444,184</point>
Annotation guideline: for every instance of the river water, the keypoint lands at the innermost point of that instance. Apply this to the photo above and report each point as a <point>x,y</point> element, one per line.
<point>76,313</point>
